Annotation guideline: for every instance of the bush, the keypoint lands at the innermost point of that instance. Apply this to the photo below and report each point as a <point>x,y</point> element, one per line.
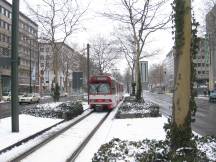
<point>130,108</point>
<point>154,151</point>
<point>66,110</point>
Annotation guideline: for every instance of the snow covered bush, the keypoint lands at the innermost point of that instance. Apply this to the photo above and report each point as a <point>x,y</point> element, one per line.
<point>66,110</point>
<point>132,109</point>
<point>155,151</point>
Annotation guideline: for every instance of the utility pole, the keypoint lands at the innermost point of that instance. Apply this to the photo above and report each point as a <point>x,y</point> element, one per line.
<point>88,70</point>
<point>14,67</point>
<point>30,71</point>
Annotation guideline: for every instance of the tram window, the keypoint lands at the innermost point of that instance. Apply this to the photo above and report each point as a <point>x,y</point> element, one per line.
<point>99,88</point>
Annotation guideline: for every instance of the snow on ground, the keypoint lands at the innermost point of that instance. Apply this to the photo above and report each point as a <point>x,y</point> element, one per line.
<point>9,155</point>
<point>85,105</point>
<point>130,129</point>
<point>125,129</point>
<point>51,105</point>
<point>28,126</point>
<point>61,148</point>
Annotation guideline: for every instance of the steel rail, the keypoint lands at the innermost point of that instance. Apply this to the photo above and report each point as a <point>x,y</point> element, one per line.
<point>47,140</point>
<point>17,144</point>
<point>76,153</point>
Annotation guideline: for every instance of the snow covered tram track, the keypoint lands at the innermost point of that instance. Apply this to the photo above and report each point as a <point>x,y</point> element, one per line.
<point>76,153</point>
<point>21,149</point>
<point>17,144</point>
<point>62,147</point>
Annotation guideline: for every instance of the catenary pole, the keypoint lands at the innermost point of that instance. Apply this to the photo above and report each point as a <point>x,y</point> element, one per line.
<point>30,69</point>
<point>88,70</point>
<point>14,67</point>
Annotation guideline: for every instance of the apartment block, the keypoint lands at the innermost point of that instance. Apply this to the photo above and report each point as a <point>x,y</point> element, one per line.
<point>211,36</point>
<point>28,50</point>
<point>68,62</point>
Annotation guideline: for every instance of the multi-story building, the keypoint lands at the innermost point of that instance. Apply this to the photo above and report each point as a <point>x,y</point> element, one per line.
<point>211,33</point>
<point>168,67</point>
<point>68,62</point>
<point>28,49</point>
<point>200,63</point>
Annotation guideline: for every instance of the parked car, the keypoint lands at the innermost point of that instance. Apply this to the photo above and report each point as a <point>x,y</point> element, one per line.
<point>212,96</point>
<point>6,96</point>
<point>64,94</point>
<point>29,98</point>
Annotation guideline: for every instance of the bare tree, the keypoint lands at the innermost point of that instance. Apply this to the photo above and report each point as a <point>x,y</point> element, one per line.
<point>57,19</point>
<point>104,54</point>
<point>69,62</point>
<point>128,49</point>
<point>156,76</point>
<point>144,18</point>
<point>127,80</point>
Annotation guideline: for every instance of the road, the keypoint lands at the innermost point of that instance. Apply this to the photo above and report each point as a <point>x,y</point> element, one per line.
<point>205,123</point>
<point>5,108</point>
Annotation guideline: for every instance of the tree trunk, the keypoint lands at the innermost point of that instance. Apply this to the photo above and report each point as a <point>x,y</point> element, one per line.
<point>0,87</point>
<point>138,81</point>
<point>66,78</point>
<point>133,84</point>
<point>56,90</point>
<point>181,124</point>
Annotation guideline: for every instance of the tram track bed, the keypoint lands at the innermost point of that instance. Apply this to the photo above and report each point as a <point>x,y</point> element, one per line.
<point>31,144</point>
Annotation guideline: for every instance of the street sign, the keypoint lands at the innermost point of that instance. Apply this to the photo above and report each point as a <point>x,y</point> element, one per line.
<point>77,80</point>
<point>5,61</point>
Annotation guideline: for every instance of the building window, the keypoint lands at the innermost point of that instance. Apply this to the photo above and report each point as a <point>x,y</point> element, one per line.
<point>5,12</point>
<point>47,57</point>
<point>47,49</point>
<point>42,49</point>
<point>41,57</point>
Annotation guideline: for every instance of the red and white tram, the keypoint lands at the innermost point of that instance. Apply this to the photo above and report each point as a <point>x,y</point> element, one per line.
<point>104,92</point>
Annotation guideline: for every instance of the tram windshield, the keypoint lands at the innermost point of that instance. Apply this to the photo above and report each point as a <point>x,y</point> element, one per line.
<point>99,88</point>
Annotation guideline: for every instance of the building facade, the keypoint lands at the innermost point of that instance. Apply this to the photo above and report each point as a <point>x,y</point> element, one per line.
<point>68,62</point>
<point>211,36</point>
<point>201,66</point>
<point>168,71</point>
<point>28,50</point>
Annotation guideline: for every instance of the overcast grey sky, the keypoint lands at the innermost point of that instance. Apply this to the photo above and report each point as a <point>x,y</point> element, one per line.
<point>94,25</point>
